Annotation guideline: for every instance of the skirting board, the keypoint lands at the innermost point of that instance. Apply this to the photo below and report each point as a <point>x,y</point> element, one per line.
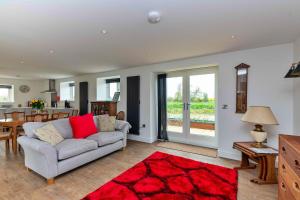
<point>140,138</point>
<point>229,155</point>
<point>223,154</point>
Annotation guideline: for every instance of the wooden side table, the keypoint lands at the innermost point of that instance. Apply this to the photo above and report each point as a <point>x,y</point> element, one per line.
<point>265,160</point>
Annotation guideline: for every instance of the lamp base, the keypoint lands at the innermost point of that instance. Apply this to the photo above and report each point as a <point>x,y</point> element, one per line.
<point>259,137</point>
<point>258,145</point>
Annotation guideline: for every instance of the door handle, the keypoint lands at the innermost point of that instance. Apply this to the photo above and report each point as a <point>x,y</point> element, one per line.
<point>187,106</point>
<point>183,106</point>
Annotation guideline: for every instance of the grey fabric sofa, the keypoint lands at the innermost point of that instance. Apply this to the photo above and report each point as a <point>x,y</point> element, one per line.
<point>50,161</point>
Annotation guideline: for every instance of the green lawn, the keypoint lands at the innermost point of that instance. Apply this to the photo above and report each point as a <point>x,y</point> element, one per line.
<point>199,111</point>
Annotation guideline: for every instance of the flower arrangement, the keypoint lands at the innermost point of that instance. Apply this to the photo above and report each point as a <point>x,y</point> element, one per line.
<point>38,104</point>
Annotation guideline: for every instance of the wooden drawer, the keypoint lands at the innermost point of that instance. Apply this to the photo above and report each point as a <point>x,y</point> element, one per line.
<point>290,155</point>
<point>283,191</point>
<point>291,180</point>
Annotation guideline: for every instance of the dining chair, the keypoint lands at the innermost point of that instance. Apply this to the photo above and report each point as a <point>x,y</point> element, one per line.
<point>6,136</point>
<point>15,115</point>
<point>33,112</point>
<point>60,115</point>
<point>37,118</point>
<point>54,116</point>
<point>75,112</point>
<point>120,115</point>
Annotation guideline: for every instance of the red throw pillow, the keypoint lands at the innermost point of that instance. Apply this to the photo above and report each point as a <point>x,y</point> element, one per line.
<point>83,126</point>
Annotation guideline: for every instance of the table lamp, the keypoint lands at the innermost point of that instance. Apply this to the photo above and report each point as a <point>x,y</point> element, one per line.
<point>259,116</point>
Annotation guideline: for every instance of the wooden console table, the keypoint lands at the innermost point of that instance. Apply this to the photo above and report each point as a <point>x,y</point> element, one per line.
<point>266,162</point>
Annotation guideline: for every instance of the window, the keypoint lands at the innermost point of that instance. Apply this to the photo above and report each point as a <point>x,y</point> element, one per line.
<point>106,88</point>
<point>6,93</point>
<point>67,91</point>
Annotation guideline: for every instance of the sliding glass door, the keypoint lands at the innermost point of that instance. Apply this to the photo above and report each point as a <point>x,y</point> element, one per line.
<point>191,107</point>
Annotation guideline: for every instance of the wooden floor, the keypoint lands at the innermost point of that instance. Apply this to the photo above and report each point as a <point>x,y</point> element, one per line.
<point>17,183</point>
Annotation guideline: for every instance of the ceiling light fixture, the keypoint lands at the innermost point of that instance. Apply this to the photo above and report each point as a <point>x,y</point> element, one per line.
<point>154,17</point>
<point>51,51</point>
<point>104,32</point>
<point>233,36</point>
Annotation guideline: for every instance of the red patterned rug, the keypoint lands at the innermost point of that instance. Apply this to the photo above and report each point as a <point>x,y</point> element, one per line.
<point>163,176</point>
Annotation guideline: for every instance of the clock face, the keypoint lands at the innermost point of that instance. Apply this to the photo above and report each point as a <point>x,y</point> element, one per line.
<point>24,88</point>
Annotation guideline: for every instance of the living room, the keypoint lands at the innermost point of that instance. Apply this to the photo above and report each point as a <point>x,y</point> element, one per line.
<point>77,57</point>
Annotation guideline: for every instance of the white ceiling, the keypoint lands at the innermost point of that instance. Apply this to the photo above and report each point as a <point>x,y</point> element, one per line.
<point>30,29</point>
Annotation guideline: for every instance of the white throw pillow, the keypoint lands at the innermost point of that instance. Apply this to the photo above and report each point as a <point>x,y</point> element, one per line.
<point>48,133</point>
<point>107,123</point>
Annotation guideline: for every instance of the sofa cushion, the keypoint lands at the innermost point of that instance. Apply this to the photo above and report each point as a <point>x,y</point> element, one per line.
<point>96,121</point>
<point>30,127</point>
<point>83,126</point>
<point>48,133</point>
<point>107,123</point>
<point>63,126</point>
<point>104,138</point>
<point>73,147</point>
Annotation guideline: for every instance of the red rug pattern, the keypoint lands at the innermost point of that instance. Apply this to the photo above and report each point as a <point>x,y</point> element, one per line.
<point>163,176</point>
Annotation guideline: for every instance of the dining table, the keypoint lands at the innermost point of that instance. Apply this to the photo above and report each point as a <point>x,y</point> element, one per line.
<point>13,124</point>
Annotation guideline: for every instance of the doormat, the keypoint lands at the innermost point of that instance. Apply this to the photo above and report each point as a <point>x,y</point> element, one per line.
<point>189,148</point>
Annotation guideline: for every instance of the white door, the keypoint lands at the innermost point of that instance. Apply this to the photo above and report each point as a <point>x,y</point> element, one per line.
<point>191,107</point>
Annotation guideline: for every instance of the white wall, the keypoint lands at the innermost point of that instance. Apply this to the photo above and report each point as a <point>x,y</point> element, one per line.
<point>36,86</point>
<point>297,90</point>
<point>266,87</point>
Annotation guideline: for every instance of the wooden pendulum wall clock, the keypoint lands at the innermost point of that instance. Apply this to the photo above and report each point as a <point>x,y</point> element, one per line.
<point>241,87</point>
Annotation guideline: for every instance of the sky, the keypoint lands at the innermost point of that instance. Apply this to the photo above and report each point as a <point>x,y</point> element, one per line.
<point>206,83</point>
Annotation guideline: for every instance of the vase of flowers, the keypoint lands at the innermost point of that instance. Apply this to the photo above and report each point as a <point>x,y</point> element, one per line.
<point>37,104</point>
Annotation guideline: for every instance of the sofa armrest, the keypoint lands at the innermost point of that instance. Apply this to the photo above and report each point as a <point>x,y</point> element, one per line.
<point>39,156</point>
<point>124,127</point>
<point>39,146</point>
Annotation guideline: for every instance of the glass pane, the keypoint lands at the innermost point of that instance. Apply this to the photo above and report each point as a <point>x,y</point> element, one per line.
<point>4,95</point>
<point>174,105</point>
<point>67,92</point>
<point>112,89</point>
<point>202,104</point>
<point>106,88</point>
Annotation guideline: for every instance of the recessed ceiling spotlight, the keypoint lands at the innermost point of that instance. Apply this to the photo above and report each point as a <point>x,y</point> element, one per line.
<point>51,51</point>
<point>233,36</point>
<point>154,17</point>
<point>103,31</point>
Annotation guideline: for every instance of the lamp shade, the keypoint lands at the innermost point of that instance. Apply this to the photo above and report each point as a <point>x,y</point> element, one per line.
<point>260,115</point>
